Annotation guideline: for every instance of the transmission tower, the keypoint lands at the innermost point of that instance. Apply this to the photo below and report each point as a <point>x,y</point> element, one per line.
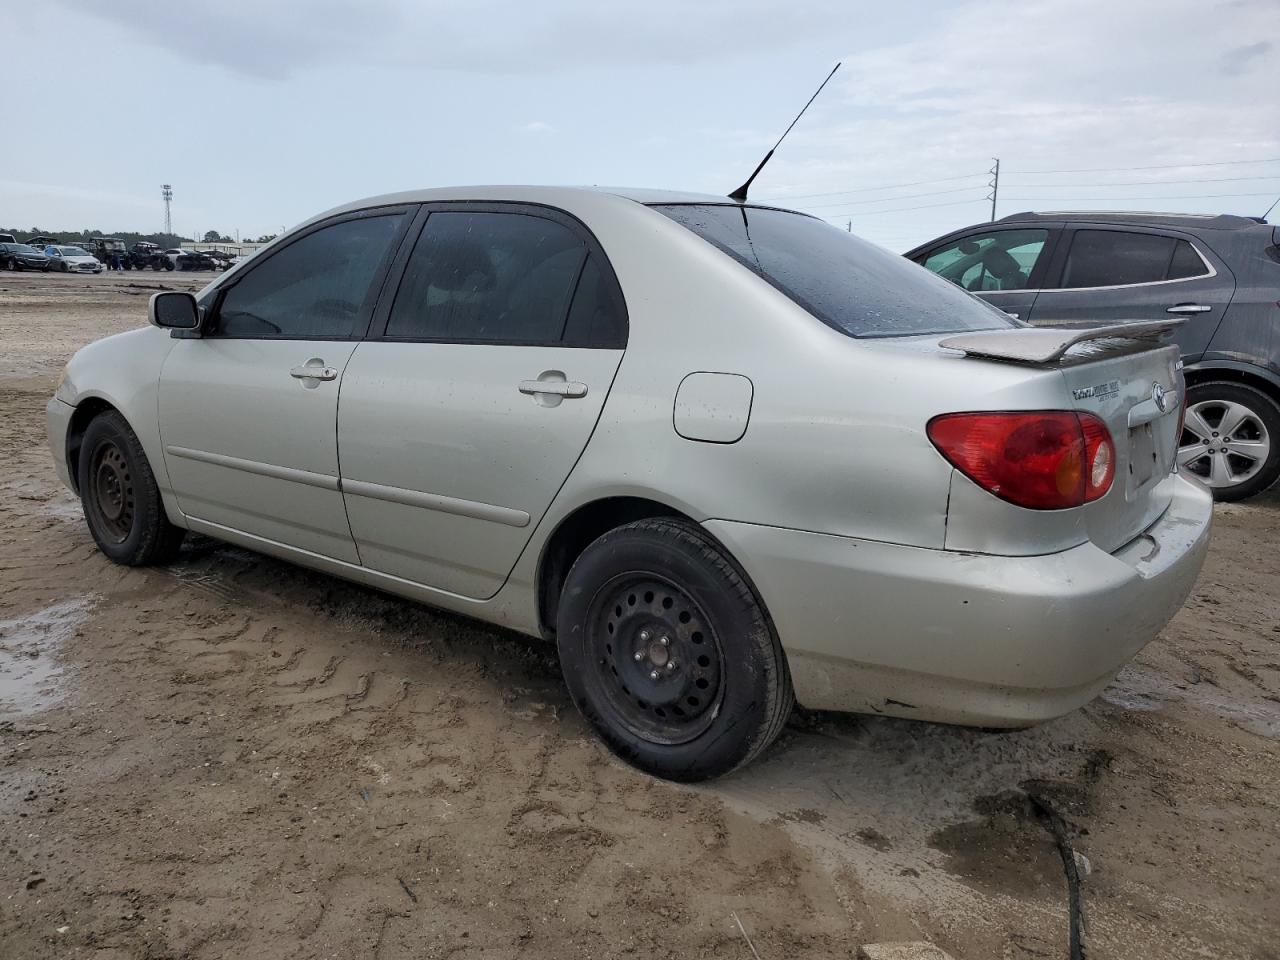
<point>994,185</point>
<point>166,191</point>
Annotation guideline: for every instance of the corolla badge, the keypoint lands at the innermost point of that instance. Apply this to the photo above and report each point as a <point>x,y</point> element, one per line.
<point>1159,396</point>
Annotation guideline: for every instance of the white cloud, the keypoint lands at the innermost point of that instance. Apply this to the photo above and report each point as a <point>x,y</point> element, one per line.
<point>536,127</point>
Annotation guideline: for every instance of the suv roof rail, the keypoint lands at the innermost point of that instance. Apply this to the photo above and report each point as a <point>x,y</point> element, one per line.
<point>1214,221</point>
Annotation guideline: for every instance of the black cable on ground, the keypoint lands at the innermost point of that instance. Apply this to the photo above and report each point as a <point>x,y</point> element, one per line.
<point>1075,909</point>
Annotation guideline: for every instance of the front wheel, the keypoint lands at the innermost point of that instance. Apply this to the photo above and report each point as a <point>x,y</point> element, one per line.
<point>121,501</point>
<point>668,653</point>
<point>1231,438</point>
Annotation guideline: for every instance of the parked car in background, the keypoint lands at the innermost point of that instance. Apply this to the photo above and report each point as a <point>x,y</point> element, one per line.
<point>188,259</point>
<point>1220,273</point>
<point>41,242</point>
<point>8,238</point>
<point>727,456</point>
<point>20,256</point>
<point>72,260</point>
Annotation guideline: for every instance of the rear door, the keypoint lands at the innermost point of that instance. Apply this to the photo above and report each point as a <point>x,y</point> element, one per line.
<point>248,411</point>
<point>463,415</point>
<point>1106,274</point>
<point>1002,265</point>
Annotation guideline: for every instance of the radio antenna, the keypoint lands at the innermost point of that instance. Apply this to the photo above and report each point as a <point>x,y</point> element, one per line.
<point>740,195</point>
<point>1270,208</point>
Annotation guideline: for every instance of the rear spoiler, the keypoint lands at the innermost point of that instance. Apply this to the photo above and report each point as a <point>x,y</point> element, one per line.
<point>1050,344</point>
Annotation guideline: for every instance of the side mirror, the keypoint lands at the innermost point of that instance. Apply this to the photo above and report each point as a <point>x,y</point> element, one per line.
<point>174,310</point>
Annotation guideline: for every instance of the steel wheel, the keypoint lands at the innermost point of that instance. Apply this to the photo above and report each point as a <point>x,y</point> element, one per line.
<point>113,498</point>
<point>1223,442</point>
<point>658,660</point>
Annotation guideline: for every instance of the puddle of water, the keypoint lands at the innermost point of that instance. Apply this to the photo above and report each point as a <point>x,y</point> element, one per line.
<point>1136,689</point>
<point>29,672</point>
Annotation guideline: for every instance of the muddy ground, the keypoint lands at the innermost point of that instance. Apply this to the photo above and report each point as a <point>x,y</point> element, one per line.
<point>233,757</point>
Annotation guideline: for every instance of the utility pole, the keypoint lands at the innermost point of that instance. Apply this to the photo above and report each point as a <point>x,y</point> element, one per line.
<point>166,191</point>
<point>849,228</point>
<point>994,186</point>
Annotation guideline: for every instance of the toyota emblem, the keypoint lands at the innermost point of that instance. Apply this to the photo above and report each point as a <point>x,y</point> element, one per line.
<point>1158,395</point>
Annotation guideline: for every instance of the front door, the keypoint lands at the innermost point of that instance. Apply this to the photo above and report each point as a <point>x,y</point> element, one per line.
<point>1108,275</point>
<point>462,419</point>
<point>248,411</point>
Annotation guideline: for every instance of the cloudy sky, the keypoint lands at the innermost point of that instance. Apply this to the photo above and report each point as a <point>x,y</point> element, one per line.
<point>262,113</point>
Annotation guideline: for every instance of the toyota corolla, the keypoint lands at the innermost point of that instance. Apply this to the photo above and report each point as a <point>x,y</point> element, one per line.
<point>726,456</point>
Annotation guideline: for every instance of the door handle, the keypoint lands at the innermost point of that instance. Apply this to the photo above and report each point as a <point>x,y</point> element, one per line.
<point>310,371</point>
<point>554,388</point>
<point>1189,308</point>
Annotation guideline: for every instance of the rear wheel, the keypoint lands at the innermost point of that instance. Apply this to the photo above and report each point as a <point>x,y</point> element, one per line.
<point>1231,438</point>
<point>121,501</point>
<point>667,652</point>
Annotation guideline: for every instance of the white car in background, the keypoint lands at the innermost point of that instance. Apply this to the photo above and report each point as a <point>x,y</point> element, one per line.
<point>72,260</point>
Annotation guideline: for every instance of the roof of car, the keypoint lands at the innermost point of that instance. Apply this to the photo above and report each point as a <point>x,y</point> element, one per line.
<point>527,193</point>
<point>1207,221</point>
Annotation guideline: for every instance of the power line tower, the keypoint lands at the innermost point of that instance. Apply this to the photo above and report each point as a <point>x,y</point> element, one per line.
<point>166,191</point>
<point>994,185</point>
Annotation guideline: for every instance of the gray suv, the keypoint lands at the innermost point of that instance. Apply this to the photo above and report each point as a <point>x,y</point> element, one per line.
<point>1222,273</point>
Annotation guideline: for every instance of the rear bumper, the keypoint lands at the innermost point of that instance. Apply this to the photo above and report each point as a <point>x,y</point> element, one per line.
<point>969,638</point>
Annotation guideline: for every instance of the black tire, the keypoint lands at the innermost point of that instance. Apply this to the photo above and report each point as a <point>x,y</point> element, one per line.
<point>657,592</point>
<point>121,501</point>
<point>1264,423</point>
<point>14,266</point>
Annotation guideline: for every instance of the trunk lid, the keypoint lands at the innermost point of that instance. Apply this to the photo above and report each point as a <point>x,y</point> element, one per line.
<point>1124,375</point>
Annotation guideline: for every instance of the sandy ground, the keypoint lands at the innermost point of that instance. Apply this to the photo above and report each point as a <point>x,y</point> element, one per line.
<point>235,757</point>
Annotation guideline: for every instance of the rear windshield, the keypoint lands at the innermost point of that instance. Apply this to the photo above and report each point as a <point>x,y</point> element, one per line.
<point>847,283</point>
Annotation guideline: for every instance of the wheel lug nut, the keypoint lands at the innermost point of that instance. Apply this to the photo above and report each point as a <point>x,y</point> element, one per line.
<point>639,655</point>
<point>653,674</point>
<point>671,665</point>
<point>665,641</point>
<point>644,636</point>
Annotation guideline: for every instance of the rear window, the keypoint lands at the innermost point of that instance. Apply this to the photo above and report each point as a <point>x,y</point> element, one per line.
<point>847,283</point>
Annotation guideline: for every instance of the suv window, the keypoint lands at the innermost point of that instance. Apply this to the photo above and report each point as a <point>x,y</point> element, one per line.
<point>849,284</point>
<point>1112,258</point>
<point>1000,260</point>
<point>489,278</point>
<point>316,287</point>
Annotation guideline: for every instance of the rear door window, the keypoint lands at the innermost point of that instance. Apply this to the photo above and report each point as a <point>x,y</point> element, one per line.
<point>854,286</point>
<point>482,277</point>
<point>1116,258</point>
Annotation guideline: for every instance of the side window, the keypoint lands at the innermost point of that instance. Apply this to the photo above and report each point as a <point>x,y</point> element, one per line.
<point>1000,260</point>
<point>1110,258</point>
<point>597,317</point>
<point>1186,263</point>
<point>488,277</point>
<point>314,287</point>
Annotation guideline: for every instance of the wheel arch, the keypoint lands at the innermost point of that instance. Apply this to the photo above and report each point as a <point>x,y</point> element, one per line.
<point>88,409</point>
<point>1234,372</point>
<point>578,529</point>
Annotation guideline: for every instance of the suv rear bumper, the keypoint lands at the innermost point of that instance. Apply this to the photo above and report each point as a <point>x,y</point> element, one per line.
<point>968,638</point>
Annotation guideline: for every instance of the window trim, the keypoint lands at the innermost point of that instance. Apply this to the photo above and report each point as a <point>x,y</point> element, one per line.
<point>368,308</point>
<point>1038,272</point>
<point>391,287</point>
<point>1213,270</point>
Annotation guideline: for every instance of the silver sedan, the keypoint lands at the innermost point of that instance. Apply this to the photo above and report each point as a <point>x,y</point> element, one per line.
<point>726,456</point>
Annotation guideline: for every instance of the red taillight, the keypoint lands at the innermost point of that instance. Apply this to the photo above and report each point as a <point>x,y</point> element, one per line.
<point>1044,460</point>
